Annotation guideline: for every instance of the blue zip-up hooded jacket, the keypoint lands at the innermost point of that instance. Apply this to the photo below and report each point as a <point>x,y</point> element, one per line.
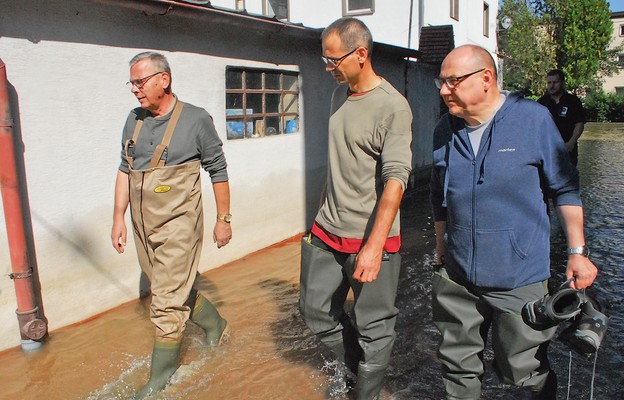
<point>495,204</point>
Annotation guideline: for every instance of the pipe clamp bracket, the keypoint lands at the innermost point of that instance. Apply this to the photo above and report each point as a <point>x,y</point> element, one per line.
<point>6,123</point>
<point>21,275</point>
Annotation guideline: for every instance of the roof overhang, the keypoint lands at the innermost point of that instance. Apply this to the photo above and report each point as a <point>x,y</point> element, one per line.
<point>203,11</point>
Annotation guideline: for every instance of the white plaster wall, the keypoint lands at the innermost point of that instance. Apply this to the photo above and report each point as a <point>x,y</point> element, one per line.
<point>67,64</point>
<point>390,22</point>
<point>469,28</point>
<point>72,107</point>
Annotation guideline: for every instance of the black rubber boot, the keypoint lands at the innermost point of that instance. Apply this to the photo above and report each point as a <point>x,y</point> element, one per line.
<point>549,391</point>
<point>348,355</point>
<point>369,381</point>
<point>587,330</point>
<point>550,310</point>
<point>207,317</point>
<point>344,378</point>
<point>165,358</point>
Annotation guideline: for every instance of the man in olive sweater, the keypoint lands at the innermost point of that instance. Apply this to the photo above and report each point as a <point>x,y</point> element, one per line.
<point>355,239</point>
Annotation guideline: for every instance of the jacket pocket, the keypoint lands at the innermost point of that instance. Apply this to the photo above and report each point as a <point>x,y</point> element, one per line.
<point>498,259</point>
<point>492,258</point>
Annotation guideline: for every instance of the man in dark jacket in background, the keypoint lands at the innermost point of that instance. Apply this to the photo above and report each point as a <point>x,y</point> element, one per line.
<point>495,158</point>
<point>567,111</point>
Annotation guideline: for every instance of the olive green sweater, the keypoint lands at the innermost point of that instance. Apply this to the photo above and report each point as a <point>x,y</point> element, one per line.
<point>370,139</point>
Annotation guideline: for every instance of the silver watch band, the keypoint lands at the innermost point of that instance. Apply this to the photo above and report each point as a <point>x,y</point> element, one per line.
<point>581,250</point>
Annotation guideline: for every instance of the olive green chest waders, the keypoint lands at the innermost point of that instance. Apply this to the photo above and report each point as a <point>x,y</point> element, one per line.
<point>168,222</point>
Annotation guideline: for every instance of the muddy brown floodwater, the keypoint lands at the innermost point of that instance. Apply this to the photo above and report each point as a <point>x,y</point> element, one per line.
<point>271,355</point>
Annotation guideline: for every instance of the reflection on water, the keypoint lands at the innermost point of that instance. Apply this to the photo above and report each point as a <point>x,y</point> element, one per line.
<point>271,354</point>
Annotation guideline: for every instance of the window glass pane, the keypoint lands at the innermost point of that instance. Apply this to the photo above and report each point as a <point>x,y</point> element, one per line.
<point>233,79</point>
<point>233,100</point>
<point>272,126</point>
<point>272,81</point>
<point>236,127</point>
<point>292,125</point>
<point>291,82</point>
<point>254,103</point>
<point>360,4</point>
<point>277,8</point>
<point>272,103</point>
<point>263,94</point>
<point>254,80</point>
<point>291,103</point>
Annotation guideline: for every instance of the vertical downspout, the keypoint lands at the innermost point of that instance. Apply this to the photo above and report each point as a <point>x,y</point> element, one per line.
<point>409,30</point>
<point>31,327</point>
<point>421,16</point>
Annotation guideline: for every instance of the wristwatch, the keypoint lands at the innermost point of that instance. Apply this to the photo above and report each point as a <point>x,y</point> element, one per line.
<point>581,250</point>
<point>224,217</point>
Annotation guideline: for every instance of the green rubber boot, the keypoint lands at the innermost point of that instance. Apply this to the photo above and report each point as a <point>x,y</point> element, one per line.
<point>207,317</point>
<point>165,358</point>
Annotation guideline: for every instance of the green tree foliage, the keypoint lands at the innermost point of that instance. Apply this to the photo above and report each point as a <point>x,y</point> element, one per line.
<point>527,51</point>
<point>604,107</point>
<point>572,35</point>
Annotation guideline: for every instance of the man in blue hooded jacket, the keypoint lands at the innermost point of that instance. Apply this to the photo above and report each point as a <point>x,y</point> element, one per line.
<point>496,159</point>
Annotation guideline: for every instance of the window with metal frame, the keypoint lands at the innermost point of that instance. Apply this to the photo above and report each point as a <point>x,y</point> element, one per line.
<point>261,102</point>
<point>455,9</point>
<point>486,19</point>
<point>276,8</point>
<point>358,7</point>
<point>622,30</point>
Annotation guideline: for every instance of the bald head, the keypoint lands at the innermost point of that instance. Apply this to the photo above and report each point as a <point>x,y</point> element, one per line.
<point>472,56</point>
<point>470,88</point>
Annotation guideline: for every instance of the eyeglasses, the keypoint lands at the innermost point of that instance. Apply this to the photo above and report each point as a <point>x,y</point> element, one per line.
<point>139,83</point>
<point>453,81</point>
<point>335,62</point>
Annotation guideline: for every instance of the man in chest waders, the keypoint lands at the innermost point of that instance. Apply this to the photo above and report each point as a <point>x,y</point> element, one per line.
<point>164,143</point>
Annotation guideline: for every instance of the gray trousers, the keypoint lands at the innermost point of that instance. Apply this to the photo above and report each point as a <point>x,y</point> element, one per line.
<point>326,277</point>
<point>464,314</point>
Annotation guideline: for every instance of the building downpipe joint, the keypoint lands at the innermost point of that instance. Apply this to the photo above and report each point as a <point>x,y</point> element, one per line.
<point>32,328</point>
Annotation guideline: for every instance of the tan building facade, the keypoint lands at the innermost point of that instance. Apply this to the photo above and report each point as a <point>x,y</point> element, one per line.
<point>615,83</point>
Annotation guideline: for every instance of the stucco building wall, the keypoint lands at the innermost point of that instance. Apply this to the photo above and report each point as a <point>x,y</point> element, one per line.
<point>617,80</point>
<point>67,64</point>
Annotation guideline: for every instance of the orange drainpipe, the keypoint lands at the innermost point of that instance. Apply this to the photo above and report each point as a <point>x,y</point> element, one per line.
<point>32,329</point>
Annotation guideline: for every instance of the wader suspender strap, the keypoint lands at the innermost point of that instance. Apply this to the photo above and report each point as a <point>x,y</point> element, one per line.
<point>160,149</point>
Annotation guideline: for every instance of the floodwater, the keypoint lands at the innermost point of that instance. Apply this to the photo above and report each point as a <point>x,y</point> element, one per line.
<point>271,354</point>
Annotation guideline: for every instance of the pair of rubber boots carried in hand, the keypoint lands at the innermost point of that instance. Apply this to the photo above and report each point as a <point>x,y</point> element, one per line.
<point>588,324</point>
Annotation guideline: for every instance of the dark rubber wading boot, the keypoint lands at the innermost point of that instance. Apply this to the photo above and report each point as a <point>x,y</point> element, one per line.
<point>344,377</point>
<point>206,316</point>
<point>165,358</point>
<point>369,381</point>
<point>550,310</point>
<point>549,390</point>
<point>587,330</point>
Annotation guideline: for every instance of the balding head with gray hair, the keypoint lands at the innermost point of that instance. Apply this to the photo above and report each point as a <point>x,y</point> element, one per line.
<point>352,32</point>
<point>157,59</point>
